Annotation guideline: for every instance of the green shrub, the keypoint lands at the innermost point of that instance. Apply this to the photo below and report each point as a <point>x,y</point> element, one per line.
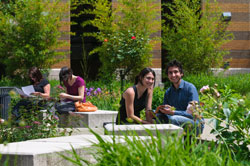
<point>195,36</point>
<point>247,100</point>
<point>158,96</point>
<point>32,125</point>
<point>239,82</point>
<point>106,96</point>
<point>5,81</point>
<point>8,81</point>
<point>231,119</point>
<point>104,99</point>
<point>54,83</point>
<point>124,31</point>
<point>30,34</point>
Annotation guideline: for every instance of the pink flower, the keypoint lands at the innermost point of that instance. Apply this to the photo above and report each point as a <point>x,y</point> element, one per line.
<point>36,122</point>
<point>60,87</point>
<point>217,94</point>
<point>204,89</point>
<point>133,37</point>
<point>27,127</point>
<point>56,117</point>
<point>105,40</point>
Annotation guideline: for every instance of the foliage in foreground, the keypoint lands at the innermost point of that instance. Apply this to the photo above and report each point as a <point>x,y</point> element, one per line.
<point>193,35</point>
<point>155,151</point>
<point>32,125</point>
<point>231,119</point>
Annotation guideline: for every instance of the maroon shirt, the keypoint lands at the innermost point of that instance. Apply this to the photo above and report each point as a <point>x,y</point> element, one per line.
<point>73,90</point>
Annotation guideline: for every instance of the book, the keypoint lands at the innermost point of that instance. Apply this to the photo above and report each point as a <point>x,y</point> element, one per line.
<point>26,91</point>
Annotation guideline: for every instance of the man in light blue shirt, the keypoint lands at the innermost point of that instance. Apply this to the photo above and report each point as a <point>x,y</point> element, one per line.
<point>178,96</point>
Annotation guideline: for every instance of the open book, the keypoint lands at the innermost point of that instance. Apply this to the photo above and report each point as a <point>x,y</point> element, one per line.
<point>26,91</point>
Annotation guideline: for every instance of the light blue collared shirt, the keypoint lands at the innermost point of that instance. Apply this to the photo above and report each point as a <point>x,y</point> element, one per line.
<point>179,98</point>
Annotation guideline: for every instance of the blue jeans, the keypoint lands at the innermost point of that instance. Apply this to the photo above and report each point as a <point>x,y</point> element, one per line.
<point>65,107</point>
<point>181,121</point>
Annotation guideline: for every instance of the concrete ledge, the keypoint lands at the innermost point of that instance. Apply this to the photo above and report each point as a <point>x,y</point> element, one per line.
<point>230,71</point>
<point>141,130</point>
<point>54,74</point>
<point>46,152</point>
<point>87,119</point>
<point>206,135</point>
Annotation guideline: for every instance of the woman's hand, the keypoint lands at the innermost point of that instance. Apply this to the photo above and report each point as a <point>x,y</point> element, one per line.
<point>147,122</point>
<point>63,96</point>
<point>37,94</point>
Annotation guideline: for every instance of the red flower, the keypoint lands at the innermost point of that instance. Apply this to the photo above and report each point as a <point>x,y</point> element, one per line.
<point>133,37</point>
<point>105,40</point>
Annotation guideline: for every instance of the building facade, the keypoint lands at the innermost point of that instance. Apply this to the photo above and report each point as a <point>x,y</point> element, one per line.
<point>239,47</point>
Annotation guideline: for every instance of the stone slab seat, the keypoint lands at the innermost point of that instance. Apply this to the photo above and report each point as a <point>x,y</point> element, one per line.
<point>206,135</point>
<point>45,152</point>
<point>87,119</point>
<point>141,130</point>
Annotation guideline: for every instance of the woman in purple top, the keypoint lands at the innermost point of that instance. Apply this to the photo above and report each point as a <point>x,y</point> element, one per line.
<point>75,90</point>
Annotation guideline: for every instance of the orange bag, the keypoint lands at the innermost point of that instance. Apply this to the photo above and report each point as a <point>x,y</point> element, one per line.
<point>85,107</point>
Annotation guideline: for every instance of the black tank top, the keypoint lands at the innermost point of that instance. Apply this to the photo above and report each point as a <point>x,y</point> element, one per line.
<point>139,104</point>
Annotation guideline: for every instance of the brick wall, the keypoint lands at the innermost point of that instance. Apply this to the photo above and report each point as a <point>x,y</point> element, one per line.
<point>240,27</point>
<point>65,37</point>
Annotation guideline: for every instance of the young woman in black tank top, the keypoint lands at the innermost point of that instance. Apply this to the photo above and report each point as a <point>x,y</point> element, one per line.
<point>42,89</point>
<point>137,98</point>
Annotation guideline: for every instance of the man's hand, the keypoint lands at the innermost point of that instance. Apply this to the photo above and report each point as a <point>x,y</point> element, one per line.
<point>167,109</point>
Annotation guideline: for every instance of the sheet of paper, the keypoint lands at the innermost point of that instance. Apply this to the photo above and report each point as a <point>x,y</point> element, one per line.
<point>27,90</point>
<point>20,92</point>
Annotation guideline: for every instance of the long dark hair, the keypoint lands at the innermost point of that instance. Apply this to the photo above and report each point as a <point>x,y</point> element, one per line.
<point>64,74</point>
<point>145,71</point>
<point>34,72</point>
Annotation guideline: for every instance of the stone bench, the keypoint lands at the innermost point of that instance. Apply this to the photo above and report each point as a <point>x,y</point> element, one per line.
<point>142,130</point>
<point>206,135</point>
<point>87,119</point>
<point>45,152</point>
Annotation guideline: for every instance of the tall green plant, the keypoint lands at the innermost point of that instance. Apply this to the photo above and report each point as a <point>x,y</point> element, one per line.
<point>124,32</point>
<point>195,34</point>
<point>30,34</point>
<point>231,117</point>
<point>152,151</point>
